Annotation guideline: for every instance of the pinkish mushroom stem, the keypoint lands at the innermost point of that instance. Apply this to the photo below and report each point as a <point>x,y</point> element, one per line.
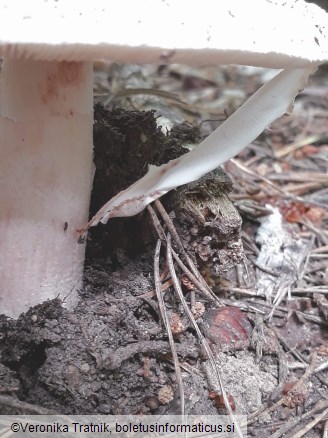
<point>46,170</point>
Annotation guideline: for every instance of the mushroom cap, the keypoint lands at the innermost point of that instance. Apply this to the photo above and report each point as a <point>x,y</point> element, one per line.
<point>267,33</point>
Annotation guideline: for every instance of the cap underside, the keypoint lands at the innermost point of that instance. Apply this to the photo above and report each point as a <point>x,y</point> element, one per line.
<point>268,33</point>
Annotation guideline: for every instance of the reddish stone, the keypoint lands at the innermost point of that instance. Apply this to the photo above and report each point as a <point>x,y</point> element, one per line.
<point>228,328</point>
<point>219,401</point>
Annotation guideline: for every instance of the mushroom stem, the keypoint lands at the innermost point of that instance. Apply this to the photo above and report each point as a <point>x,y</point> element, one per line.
<point>46,170</point>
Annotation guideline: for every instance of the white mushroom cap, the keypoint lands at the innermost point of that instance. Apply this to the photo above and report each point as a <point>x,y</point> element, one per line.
<point>268,33</point>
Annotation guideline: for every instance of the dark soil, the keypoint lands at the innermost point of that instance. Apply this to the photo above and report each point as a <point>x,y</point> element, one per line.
<point>111,354</point>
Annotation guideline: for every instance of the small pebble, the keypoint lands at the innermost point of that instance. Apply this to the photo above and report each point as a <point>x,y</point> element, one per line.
<point>152,403</point>
<point>165,394</point>
<point>85,368</point>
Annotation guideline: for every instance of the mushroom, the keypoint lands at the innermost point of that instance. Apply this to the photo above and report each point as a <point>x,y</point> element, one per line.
<point>46,105</point>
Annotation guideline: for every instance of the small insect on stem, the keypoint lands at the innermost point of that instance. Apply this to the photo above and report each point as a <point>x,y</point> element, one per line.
<point>65,226</point>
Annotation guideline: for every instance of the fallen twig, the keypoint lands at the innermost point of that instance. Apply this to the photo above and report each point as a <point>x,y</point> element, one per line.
<point>203,341</point>
<point>322,404</point>
<point>266,409</point>
<point>167,326</point>
<point>201,286</point>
